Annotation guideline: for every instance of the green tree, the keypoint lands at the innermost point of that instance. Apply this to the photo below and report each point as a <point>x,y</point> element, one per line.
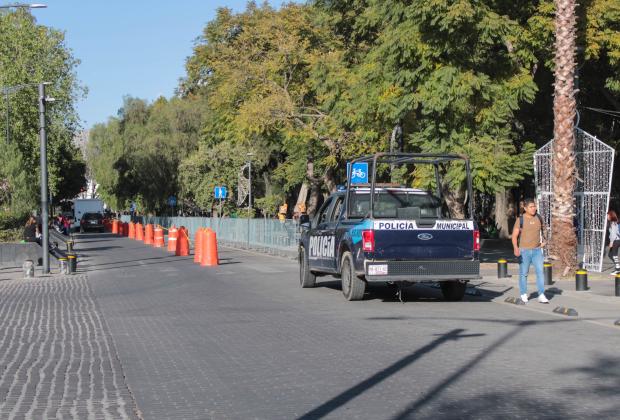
<point>29,54</point>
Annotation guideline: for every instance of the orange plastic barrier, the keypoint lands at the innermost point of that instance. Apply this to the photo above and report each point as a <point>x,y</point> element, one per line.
<point>125,229</point>
<point>209,256</point>
<point>115,226</point>
<point>198,245</point>
<point>173,234</point>
<point>158,237</point>
<point>121,229</point>
<point>139,232</point>
<point>131,230</point>
<point>182,243</point>
<point>148,234</point>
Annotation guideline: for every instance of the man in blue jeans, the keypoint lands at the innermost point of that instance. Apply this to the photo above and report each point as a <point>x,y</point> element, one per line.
<point>528,242</point>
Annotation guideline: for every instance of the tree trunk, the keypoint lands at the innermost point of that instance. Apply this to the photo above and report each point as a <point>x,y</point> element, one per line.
<point>302,196</point>
<point>330,180</point>
<point>268,186</point>
<point>564,240</point>
<point>315,189</point>
<point>455,199</point>
<point>502,211</point>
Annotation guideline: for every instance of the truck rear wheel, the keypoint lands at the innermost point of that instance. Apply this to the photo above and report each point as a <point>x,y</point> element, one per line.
<point>306,277</point>
<point>454,290</point>
<point>352,286</point>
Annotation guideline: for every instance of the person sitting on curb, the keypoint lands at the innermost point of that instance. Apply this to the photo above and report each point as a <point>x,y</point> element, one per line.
<point>30,230</point>
<point>528,243</point>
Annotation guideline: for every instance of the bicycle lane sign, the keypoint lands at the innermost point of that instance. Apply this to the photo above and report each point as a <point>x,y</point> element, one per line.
<point>359,172</point>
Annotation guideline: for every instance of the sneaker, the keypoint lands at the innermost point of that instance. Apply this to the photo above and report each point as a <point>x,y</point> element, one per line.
<point>616,271</point>
<point>524,298</point>
<point>542,298</point>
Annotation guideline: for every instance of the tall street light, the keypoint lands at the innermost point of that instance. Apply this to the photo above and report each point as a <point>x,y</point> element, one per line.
<point>43,152</point>
<point>249,155</point>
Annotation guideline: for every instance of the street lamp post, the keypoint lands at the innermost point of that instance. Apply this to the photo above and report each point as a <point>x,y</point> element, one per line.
<point>43,159</point>
<point>249,155</point>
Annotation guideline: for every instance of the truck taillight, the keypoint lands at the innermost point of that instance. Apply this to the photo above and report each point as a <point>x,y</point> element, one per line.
<point>476,240</point>
<point>368,240</point>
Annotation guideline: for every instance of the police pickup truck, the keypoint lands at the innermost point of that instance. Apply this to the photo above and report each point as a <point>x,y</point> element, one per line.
<point>391,233</point>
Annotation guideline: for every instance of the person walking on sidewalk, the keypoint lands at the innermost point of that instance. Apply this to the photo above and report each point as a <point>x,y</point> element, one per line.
<point>528,243</point>
<point>614,240</point>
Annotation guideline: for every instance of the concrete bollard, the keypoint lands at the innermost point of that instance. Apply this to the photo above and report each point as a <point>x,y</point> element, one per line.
<point>28,269</point>
<point>548,274</point>
<point>581,280</point>
<point>502,268</point>
<point>617,285</point>
<point>69,246</point>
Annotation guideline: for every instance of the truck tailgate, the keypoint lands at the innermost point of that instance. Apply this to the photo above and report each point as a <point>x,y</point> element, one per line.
<point>409,240</point>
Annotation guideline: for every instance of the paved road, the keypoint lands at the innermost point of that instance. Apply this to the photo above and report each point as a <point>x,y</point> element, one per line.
<point>242,340</point>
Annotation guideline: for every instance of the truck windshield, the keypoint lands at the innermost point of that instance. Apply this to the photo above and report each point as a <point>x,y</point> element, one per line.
<point>398,204</point>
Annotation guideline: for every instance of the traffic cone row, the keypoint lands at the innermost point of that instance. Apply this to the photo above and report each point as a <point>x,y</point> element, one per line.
<point>205,248</point>
<point>178,239</point>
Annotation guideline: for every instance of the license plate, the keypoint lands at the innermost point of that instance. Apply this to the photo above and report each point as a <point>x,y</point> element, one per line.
<point>93,222</point>
<point>378,270</point>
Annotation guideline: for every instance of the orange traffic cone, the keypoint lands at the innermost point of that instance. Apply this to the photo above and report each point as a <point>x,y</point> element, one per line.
<point>158,237</point>
<point>115,226</point>
<point>172,238</point>
<point>121,229</point>
<point>198,245</point>
<point>182,243</point>
<point>139,232</point>
<point>131,230</point>
<point>148,234</point>
<point>125,229</point>
<point>209,249</point>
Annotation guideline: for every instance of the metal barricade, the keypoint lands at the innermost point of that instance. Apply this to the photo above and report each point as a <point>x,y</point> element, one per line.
<point>264,235</point>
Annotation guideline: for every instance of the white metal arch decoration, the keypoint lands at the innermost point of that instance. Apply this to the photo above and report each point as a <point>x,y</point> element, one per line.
<point>595,162</point>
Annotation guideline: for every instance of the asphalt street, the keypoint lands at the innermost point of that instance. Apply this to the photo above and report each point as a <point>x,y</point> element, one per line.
<point>242,340</point>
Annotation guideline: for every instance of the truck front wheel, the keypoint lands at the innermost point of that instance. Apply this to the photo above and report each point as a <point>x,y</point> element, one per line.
<point>352,286</point>
<point>454,290</point>
<point>306,277</point>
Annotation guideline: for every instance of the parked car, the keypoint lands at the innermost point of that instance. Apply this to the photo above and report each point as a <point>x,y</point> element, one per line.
<point>92,221</point>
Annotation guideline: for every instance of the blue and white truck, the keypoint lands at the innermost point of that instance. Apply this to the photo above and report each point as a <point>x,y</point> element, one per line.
<point>392,233</point>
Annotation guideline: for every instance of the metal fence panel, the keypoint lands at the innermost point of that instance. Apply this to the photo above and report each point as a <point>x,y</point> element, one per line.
<point>264,235</point>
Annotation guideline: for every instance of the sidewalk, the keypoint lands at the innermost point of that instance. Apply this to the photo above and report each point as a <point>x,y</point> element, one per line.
<point>597,305</point>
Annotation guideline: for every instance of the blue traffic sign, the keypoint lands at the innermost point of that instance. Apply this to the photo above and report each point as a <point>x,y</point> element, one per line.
<point>220,192</point>
<point>359,173</point>
<point>172,201</point>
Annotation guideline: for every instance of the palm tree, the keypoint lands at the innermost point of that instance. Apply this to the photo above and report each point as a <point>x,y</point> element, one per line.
<point>564,239</point>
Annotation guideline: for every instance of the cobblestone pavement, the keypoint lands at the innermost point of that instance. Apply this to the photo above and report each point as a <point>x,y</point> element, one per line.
<point>242,340</point>
<point>57,358</point>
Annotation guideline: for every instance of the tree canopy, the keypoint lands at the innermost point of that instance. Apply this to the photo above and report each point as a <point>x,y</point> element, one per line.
<point>30,54</point>
<point>307,87</point>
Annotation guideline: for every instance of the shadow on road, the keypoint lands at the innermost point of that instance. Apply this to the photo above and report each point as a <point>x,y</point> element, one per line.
<point>451,410</point>
<point>420,292</point>
<point>349,394</point>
